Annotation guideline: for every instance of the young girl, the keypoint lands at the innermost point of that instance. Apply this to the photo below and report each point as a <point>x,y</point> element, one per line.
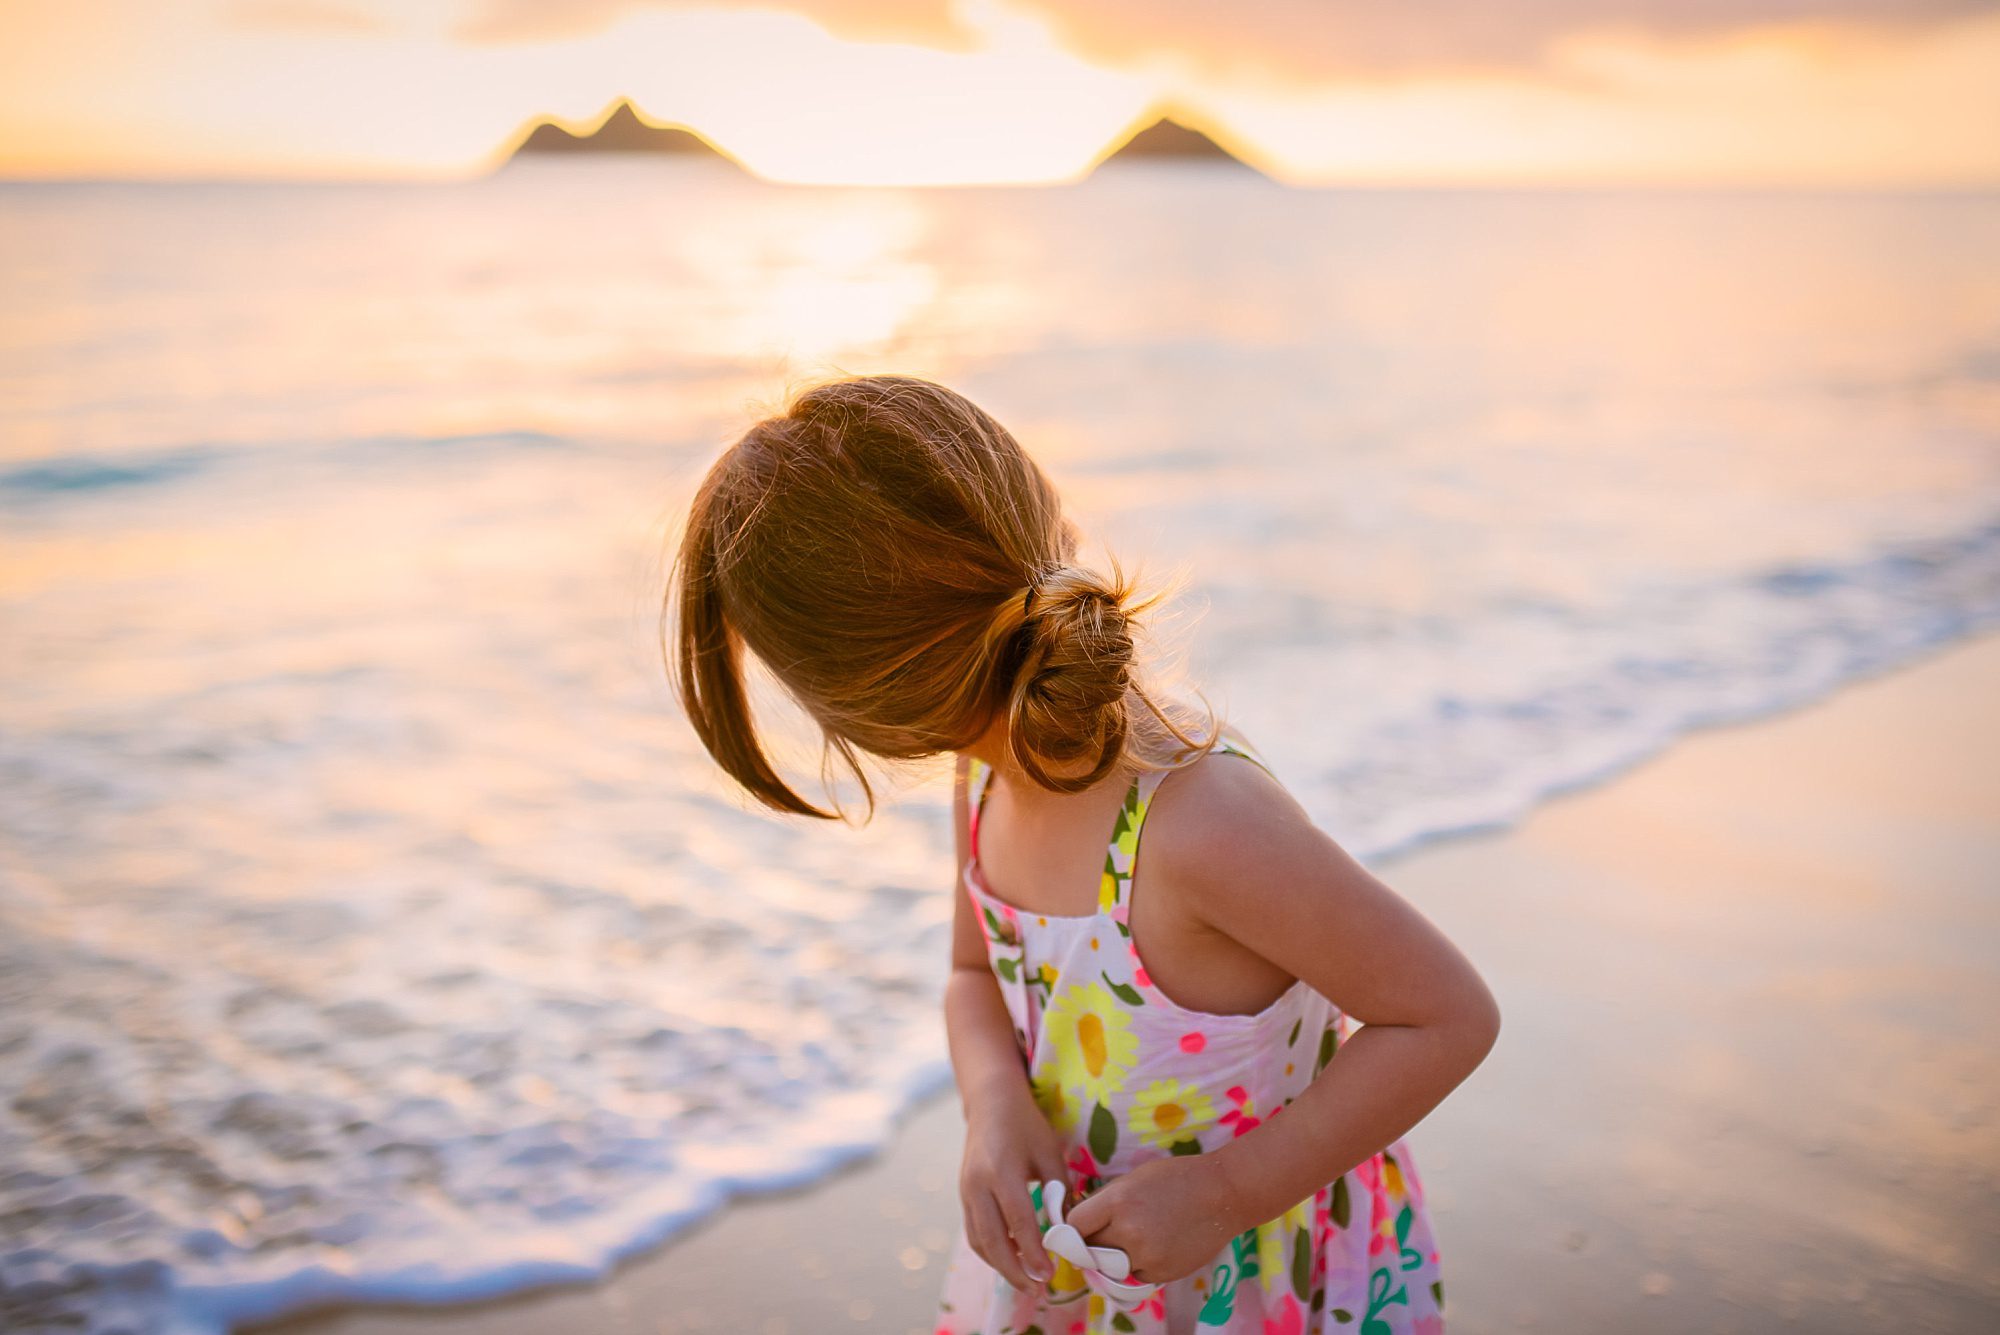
<point>1176,1047</point>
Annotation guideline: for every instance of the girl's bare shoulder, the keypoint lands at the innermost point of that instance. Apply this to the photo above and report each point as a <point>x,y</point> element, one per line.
<point>1221,814</point>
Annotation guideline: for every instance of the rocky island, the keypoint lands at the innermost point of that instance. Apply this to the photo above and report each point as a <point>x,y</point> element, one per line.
<point>1165,139</point>
<point>622,130</point>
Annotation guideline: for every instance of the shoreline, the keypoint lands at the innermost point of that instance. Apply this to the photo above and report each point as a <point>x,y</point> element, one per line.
<point>1713,1176</point>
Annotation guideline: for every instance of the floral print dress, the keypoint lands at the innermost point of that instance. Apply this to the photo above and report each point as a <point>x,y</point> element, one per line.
<point>1126,1075</point>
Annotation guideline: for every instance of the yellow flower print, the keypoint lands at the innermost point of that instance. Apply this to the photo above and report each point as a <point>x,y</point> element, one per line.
<point>1058,1108</point>
<point>1277,1240</point>
<point>1048,973</point>
<point>1170,1110</point>
<point>1091,1035</point>
<point>1392,1177</point>
<point>1067,1284</point>
<point>1127,836</point>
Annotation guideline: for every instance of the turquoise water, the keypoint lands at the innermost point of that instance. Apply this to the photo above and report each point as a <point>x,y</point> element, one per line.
<point>371,925</point>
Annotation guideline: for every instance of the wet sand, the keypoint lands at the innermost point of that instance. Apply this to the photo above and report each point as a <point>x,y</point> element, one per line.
<point>1747,1079</point>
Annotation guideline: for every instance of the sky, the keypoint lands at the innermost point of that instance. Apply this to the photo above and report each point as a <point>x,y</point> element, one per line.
<point>1812,93</point>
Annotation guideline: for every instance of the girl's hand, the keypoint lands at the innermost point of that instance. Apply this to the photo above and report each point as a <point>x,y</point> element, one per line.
<point>1169,1216</point>
<point>1007,1146</point>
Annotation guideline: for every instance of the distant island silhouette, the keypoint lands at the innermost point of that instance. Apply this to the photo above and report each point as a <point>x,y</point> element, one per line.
<point>1155,137</point>
<point>1165,139</point>
<point>622,130</point>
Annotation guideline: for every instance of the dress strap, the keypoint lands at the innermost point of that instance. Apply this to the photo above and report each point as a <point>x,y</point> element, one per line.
<point>1122,855</point>
<point>1124,845</point>
<point>978,778</point>
<point>1248,752</point>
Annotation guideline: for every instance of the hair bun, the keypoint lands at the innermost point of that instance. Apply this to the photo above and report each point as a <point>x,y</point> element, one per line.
<point>868,547</point>
<point>1068,697</point>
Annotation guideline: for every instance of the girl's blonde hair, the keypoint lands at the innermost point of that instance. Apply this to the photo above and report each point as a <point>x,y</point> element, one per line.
<point>904,569</point>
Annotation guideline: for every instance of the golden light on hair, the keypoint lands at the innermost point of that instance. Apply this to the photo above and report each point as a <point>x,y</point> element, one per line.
<point>894,558</point>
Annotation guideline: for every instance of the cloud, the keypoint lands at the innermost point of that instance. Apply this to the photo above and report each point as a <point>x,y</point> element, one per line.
<point>1335,39</point>
<point>315,18</point>
<point>933,23</point>
<point>1304,40</point>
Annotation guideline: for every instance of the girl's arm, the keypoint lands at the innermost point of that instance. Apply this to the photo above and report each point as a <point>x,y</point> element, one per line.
<point>1008,1142</point>
<point>985,1059</point>
<point>1250,863</point>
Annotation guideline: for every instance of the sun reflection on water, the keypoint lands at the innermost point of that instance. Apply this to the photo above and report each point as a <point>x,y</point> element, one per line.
<point>818,276</point>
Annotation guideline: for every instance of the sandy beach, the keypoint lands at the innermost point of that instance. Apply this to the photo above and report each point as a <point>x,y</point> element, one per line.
<point>1746,1080</point>
<point>1566,444</point>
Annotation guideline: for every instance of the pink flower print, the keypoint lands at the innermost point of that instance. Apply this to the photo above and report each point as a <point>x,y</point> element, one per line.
<point>1081,1164</point>
<point>1369,1172</point>
<point>1383,1206</point>
<point>1140,976</point>
<point>1384,1238</point>
<point>1193,1041</point>
<point>1432,1324</point>
<point>1288,1321</point>
<point>1239,1118</point>
<point>1155,1305</point>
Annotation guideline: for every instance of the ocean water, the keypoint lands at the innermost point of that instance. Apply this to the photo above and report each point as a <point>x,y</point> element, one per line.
<point>372,926</point>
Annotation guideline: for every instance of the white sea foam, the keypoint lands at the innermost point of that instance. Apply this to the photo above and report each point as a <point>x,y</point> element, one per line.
<point>370,926</point>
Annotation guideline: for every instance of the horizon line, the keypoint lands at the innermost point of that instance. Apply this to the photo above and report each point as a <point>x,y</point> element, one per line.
<point>640,162</point>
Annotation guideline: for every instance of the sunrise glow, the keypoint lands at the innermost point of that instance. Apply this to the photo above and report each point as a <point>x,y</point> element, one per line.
<point>978,92</point>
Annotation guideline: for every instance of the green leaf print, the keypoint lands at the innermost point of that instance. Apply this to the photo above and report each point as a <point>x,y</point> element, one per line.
<point>1125,994</point>
<point>1327,1044</point>
<point>1188,1146</point>
<point>1342,1212</point>
<point>1103,1133</point>
<point>1295,1031</point>
<point>1342,1315</point>
<point>1437,1293</point>
<point>1121,1322</point>
<point>1412,1258</point>
<point>1245,1244</point>
<point>1221,1301</point>
<point>1008,966</point>
<point>1302,1263</point>
<point>1379,1297</point>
